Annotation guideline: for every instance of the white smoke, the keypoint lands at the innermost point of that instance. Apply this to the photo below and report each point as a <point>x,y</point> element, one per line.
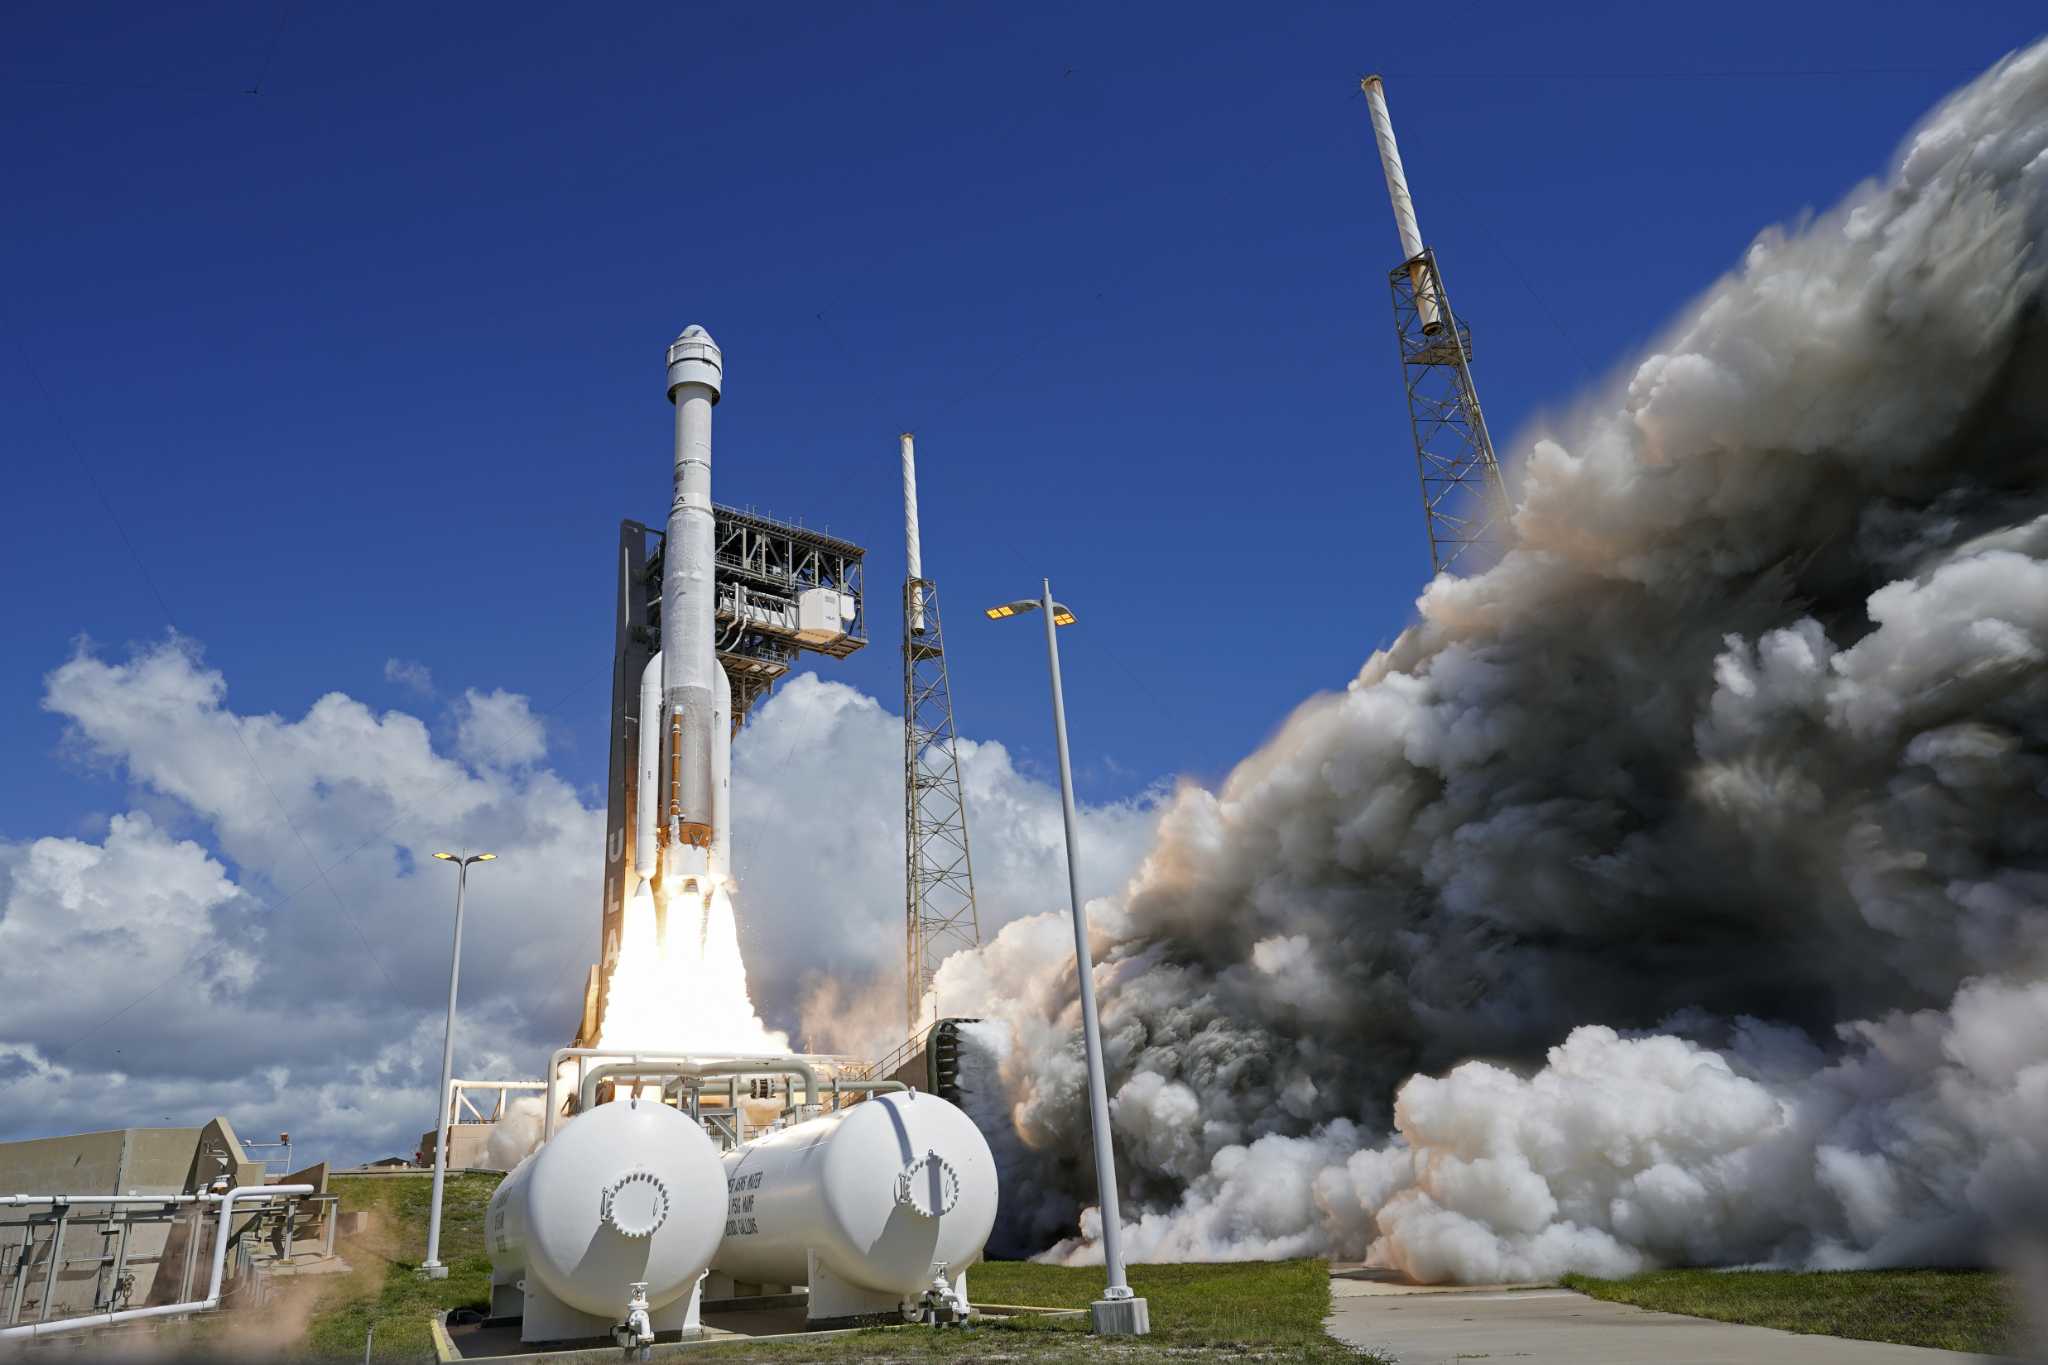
<point>515,1135</point>
<point>1714,817</point>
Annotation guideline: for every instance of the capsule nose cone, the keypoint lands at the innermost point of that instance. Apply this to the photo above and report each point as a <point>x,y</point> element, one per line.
<point>694,358</point>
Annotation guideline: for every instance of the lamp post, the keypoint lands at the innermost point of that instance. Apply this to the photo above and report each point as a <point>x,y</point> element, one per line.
<point>432,1267</point>
<point>1118,1312</point>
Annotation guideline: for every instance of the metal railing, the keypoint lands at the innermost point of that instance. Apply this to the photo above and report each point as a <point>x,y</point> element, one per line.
<point>279,1164</point>
<point>897,1056</point>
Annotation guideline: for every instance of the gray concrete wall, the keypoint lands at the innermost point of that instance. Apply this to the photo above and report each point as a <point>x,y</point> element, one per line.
<point>468,1146</point>
<point>97,1242</point>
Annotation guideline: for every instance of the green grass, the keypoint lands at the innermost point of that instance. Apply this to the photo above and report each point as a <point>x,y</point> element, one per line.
<point>383,1286</point>
<point>1255,1312</point>
<point>1957,1310</point>
<point>1252,1312</point>
<point>1270,1303</point>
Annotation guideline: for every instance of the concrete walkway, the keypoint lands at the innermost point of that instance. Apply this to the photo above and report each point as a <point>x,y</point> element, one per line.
<point>1535,1325</point>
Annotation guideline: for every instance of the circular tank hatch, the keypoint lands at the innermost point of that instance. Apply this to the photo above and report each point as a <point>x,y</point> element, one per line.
<point>930,1186</point>
<point>636,1204</point>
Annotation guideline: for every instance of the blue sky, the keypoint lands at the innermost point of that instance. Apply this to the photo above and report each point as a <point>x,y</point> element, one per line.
<point>368,363</point>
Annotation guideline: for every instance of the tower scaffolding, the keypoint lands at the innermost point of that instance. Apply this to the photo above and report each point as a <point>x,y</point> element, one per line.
<point>1465,507</point>
<point>938,878</point>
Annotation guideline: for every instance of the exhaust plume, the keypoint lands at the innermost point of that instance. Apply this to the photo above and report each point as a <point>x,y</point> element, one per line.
<point>1670,892</point>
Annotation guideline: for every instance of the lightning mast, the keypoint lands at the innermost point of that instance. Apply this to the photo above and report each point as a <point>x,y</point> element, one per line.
<point>938,877</point>
<point>1464,500</point>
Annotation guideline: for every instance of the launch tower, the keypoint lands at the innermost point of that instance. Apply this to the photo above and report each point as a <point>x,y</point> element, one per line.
<point>938,873</point>
<point>1465,506</point>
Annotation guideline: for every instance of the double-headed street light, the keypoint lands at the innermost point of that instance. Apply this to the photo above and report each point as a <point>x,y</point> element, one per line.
<point>1118,1312</point>
<point>432,1267</point>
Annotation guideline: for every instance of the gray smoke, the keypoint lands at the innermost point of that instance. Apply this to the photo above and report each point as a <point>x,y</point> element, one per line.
<point>1673,890</point>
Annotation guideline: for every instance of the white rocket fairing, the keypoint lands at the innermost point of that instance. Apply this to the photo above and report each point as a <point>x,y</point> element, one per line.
<point>685,755</point>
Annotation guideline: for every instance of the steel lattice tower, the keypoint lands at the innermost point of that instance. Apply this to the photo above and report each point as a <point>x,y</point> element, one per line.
<point>1464,499</point>
<point>938,869</point>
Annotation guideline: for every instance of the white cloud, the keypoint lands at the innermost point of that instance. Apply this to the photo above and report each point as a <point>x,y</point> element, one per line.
<point>195,961</point>
<point>410,673</point>
<point>818,851</point>
<point>498,729</point>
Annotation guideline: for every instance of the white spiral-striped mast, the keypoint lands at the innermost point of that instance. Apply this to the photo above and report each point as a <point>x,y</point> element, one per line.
<point>1465,507</point>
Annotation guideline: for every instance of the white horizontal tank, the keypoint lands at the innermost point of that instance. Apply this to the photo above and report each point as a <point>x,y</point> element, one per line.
<point>629,1193</point>
<point>868,1206</point>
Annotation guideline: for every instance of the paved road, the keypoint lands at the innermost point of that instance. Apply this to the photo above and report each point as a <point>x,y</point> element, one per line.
<point>1538,1326</point>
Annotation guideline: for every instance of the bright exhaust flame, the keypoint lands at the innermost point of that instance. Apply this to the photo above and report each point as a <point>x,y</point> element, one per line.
<point>680,984</point>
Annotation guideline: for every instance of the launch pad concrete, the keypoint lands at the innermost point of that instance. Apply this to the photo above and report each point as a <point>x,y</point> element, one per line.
<point>779,1318</point>
<point>1427,1324</point>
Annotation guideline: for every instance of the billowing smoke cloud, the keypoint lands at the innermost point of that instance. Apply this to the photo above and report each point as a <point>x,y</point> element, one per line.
<point>1713,821</point>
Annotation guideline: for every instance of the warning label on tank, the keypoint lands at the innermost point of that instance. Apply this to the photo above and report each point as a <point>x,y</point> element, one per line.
<point>739,1206</point>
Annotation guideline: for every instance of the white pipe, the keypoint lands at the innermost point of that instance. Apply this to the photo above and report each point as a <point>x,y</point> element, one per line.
<point>696,371</point>
<point>651,1059</point>
<point>913,553</point>
<point>1397,190</point>
<point>166,1310</point>
<point>692,1069</point>
<point>647,792</point>
<point>28,1200</point>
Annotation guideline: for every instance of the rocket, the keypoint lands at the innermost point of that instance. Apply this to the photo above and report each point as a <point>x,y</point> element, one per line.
<point>685,742</point>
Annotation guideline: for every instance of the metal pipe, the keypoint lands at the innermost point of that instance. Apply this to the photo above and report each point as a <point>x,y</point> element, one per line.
<point>1091,1027</point>
<point>205,1305</point>
<point>196,1225</point>
<point>698,1069</point>
<point>120,1262</point>
<point>1404,206</point>
<point>912,552</point>
<point>56,1260</point>
<point>26,1258</point>
<point>552,1112</point>
<point>27,1200</point>
<point>853,1086</point>
<point>11,1268</point>
<point>637,1074</point>
<point>696,377</point>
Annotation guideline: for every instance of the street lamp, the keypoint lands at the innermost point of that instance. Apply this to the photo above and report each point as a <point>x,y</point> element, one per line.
<point>1118,1312</point>
<point>432,1267</point>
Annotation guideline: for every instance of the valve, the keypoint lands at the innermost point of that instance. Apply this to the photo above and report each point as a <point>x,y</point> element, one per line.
<point>635,1335</point>
<point>938,1306</point>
